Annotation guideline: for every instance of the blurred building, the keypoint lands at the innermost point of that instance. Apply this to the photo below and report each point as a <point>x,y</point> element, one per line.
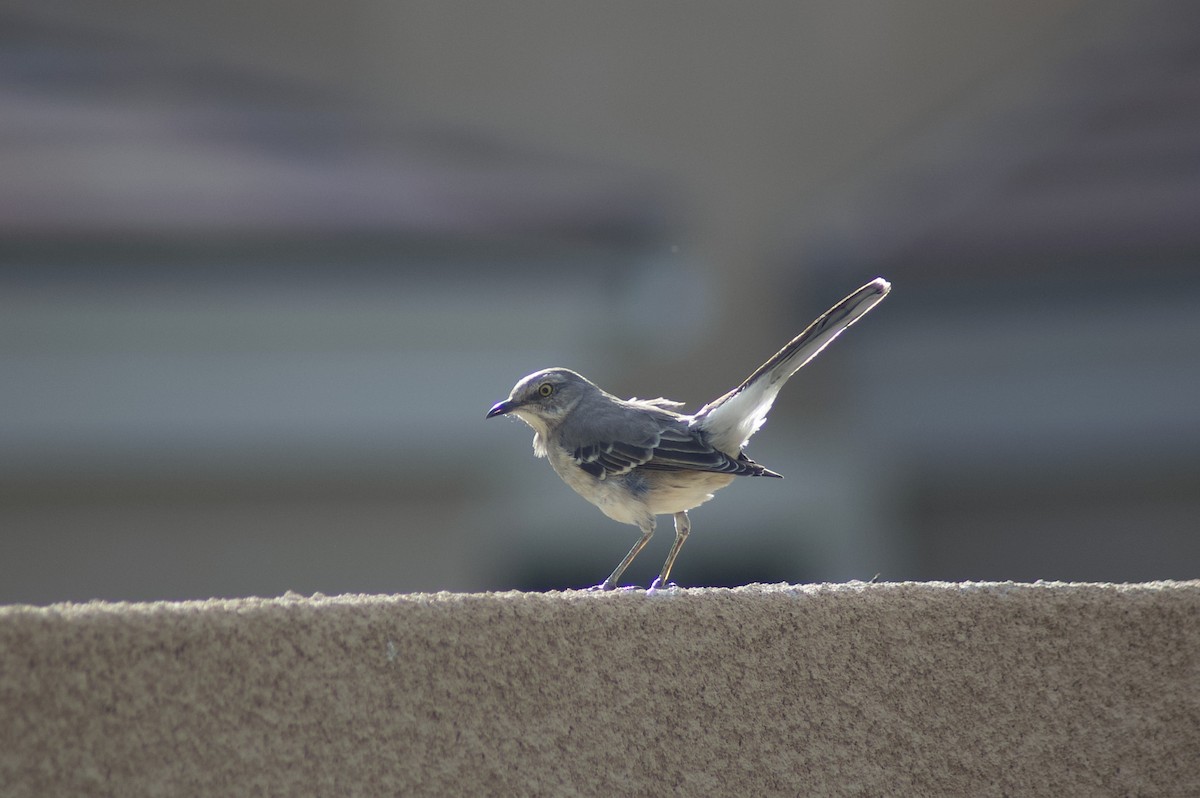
<point>264,266</point>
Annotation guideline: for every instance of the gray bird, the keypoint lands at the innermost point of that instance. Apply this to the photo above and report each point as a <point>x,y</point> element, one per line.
<point>638,458</point>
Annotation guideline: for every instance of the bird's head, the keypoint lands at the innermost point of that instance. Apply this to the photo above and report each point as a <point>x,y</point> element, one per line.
<point>544,398</point>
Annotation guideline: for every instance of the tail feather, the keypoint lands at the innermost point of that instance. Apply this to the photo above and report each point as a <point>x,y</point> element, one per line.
<point>730,420</point>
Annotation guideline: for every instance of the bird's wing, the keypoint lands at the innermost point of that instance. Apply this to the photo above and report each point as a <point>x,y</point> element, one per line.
<point>672,447</point>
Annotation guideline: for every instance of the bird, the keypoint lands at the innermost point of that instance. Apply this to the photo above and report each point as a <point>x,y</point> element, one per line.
<point>636,459</point>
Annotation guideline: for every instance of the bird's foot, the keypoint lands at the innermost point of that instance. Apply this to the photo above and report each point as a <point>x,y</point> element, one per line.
<point>606,586</point>
<point>658,587</point>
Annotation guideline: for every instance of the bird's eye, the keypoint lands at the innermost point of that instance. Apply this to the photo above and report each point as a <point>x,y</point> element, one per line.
<point>545,389</point>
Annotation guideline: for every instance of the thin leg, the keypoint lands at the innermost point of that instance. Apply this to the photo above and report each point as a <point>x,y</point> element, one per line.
<point>682,527</point>
<point>647,533</point>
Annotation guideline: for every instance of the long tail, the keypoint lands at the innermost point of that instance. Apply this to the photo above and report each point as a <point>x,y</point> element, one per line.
<point>732,419</point>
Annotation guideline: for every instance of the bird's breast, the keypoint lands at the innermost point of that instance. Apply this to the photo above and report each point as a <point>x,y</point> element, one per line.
<point>621,498</point>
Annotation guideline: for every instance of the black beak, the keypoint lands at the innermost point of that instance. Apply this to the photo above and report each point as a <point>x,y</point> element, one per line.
<point>500,408</point>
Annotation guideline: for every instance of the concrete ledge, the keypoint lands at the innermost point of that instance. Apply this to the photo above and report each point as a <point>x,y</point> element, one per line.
<point>856,689</point>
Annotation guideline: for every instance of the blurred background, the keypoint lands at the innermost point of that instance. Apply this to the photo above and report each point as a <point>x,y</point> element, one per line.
<point>264,265</point>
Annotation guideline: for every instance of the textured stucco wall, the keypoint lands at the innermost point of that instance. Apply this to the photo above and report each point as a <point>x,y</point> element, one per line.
<point>856,689</point>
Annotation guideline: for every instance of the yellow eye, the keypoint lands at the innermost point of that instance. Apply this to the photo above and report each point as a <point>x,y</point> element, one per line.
<point>545,389</point>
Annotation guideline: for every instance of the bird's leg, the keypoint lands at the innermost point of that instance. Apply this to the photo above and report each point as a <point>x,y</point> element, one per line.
<point>682,527</point>
<point>647,532</point>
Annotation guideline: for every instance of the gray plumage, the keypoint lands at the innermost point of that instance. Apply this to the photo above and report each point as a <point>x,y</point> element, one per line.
<point>639,458</point>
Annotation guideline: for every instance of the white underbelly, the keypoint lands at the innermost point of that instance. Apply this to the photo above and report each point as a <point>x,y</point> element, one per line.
<point>656,493</point>
<point>676,491</point>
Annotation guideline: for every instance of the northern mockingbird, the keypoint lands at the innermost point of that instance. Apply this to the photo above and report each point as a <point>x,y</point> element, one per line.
<point>638,458</point>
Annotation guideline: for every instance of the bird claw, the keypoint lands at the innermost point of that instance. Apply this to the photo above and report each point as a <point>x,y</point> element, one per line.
<point>605,587</point>
<point>657,587</point>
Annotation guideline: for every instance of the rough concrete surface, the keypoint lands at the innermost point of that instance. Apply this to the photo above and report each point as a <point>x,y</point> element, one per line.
<point>853,689</point>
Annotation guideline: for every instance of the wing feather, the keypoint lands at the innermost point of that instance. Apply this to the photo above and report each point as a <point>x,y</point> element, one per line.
<point>675,447</point>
